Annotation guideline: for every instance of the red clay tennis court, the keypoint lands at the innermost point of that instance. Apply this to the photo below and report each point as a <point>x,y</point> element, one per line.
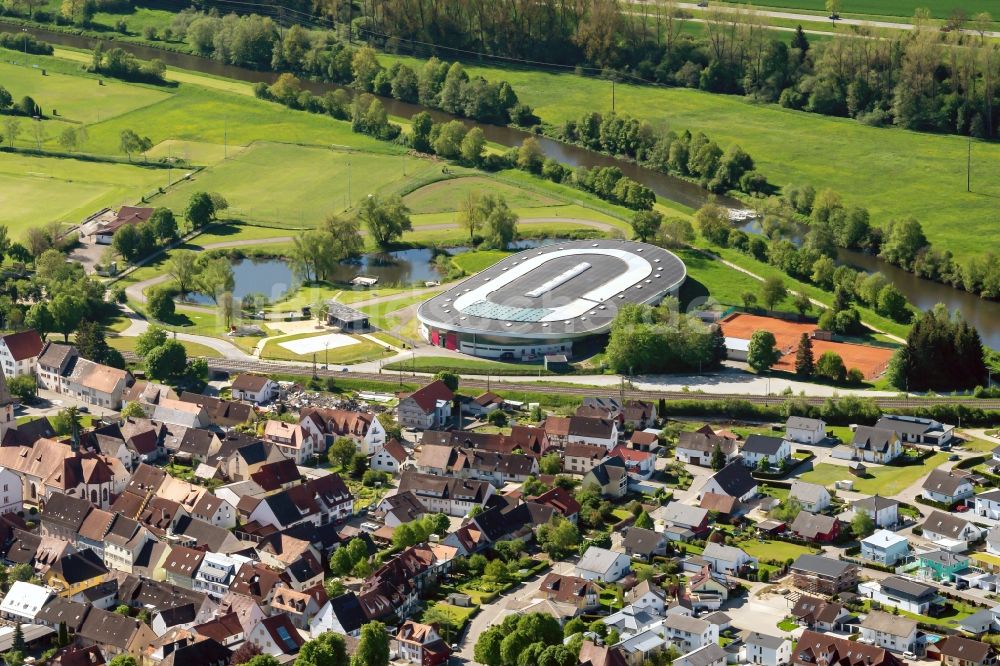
<point>871,361</point>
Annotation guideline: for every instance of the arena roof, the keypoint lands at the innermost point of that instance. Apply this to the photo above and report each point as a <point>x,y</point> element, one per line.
<point>561,290</point>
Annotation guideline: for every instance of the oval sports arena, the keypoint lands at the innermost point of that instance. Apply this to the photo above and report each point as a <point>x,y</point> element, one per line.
<point>540,301</point>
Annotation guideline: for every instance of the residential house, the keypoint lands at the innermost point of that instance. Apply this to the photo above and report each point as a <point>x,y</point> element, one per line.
<point>147,395</point>
<point>875,445</point>
<point>299,606</point>
<point>603,565</point>
<point>12,497</point>
<point>649,597</point>
<point>733,480</point>
<point>592,654</point>
<point>342,615</point>
<point>100,227</point>
<point>180,413</point>
<point>115,634</point>
<point>812,496</point>
<point>885,548</point>
<point>19,352</point>
<point>640,464</point>
<point>290,439</point>
<point>223,413</point>
<point>610,476</point>
<point>276,636</point>
<point>947,486</point>
<point>819,614</point>
<point>772,451</point>
<point>181,566</point>
<point>399,508</point>
<point>961,651</point>
<point>681,522</point>
<point>454,497</point>
<point>814,648</point>
<point>96,384</point>
<point>320,500</point>
<point>483,404</point>
<point>213,575</point>
<point>426,408</point>
<point>565,430</point>
<point>707,590</point>
<point>815,527</point>
<point>689,633</point>
<point>710,655</point>
<point>581,593</point>
<point>883,510</point>
<point>805,430</point>
<point>421,644</point>
<point>697,448</point>
<point>327,425</point>
<point>917,430</point>
<point>987,504</point>
<point>74,573</point>
<point>23,601</point>
<point>902,593</point>
<point>254,388</point>
<point>942,564</point>
<point>390,458</point>
<point>823,575</point>
<point>581,458</point>
<point>947,528</point>
<point>891,632</point>
<point>562,501</point>
<point>767,650</point>
<point>643,544</point>
<point>53,365</point>
<point>123,543</point>
<point>727,559</point>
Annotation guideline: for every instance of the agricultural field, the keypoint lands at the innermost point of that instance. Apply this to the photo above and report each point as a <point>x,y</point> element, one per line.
<point>303,184</point>
<point>797,148</point>
<point>36,190</point>
<point>447,195</point>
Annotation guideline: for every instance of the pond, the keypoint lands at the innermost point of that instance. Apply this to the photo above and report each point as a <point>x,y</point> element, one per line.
<point>274,277</point>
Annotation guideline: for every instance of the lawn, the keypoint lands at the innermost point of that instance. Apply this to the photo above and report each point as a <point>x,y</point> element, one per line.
<point>886,480</point>
<point>311,184</point>
<point>794,147</point>
<point>76,99</point>
<point>473,262</point>
<point>788,624</point>
<point>382,313</point>
<point>35,190</point>
<point>447,195</point>
<point>365,350</point>
<point>896,8</point>
<point>709,280</point>
<point>774,550</point>
<point>193,348</point>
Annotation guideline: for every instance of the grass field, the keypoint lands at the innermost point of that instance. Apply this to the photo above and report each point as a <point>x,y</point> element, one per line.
<point>447,195</point>
<point>35,190</point>
<point>793,147</point>
<point>886,480</point>
<point>311,183</point>
<point>365,350</point>
<point>466,365</point>
<point>193,348</point>
<point>774,550</point>
<point>711,280</point>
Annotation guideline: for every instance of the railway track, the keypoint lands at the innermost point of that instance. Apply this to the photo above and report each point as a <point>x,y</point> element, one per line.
<point>389,377</point>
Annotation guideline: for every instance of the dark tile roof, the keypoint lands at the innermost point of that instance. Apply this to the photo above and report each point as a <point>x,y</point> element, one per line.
<point>79,567</point>
<point>642,541</point>
<point>735,479</point>
<point>64,511</point>
<point>763,445</point>
<point>59,609</point>
<point>348,611</point>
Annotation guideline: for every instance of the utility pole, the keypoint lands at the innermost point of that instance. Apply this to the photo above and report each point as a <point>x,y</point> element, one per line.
<point>968,168</point>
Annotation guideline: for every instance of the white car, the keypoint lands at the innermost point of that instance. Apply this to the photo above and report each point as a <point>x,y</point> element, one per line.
<point>909,655</point>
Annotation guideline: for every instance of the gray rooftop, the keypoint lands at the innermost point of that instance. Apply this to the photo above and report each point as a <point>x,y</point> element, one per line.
<point>508,310</point>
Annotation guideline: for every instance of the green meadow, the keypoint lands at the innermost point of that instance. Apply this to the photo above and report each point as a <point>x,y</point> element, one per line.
<point>894,172</point>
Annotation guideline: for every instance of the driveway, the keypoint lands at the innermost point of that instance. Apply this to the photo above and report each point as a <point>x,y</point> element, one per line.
<point>494,612</point>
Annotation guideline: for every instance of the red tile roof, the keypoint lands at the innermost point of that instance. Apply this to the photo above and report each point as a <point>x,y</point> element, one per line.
<point>427,397</point>
<point>23,344</point>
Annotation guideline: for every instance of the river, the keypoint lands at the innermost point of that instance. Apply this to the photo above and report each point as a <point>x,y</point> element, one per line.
<point>924,294</point>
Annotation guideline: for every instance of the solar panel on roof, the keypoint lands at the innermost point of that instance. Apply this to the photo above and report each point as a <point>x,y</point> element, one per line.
<point>289,643</point>
<point>490,310</point>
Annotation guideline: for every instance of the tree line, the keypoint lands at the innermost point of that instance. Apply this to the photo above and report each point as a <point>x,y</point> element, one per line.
<point>922,79</point>
<point>685,155</point>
